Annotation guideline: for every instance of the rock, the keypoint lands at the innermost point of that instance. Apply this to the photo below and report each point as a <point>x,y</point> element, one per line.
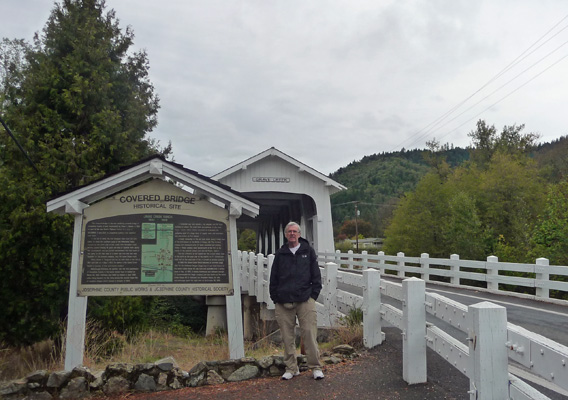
<point>97,382</point>
<point>213,378</point>
<point>145,383</point>
<point>198,368</point>
<point>119,369</point>
<point>275,371</point>
<point>58,379</point>
<point>246,372</point>
<point>75,389</point>
<point>116,385</point>
<point>197,379</point>
<point>83,372</point>
<point>38,377</point>
<point>266,362</point>
<point>331,360</point>
<point>176,384</point>
<point>38,396</point>
<point>166,364</point>
<point>145,368</point>
<point>12,388</point>
<point>162,381</point>
<point>344,349</point>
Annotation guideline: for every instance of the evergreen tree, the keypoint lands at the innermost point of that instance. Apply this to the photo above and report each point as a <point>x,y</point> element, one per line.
<point>81,105</point>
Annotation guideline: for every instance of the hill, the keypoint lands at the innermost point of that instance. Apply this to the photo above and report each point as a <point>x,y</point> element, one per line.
<point>376,182</point>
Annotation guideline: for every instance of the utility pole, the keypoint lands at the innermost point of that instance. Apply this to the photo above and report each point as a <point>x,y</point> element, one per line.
<point>356,227</point>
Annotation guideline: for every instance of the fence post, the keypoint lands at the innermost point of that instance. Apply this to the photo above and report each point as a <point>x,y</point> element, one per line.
<point>414,331</point>
<point>488,352</point>
<point>244,271</point>
<point>372,335</point>
<point>337,257</point>
<point>492,272</point>
<point>260,282</point>
<point>269,302</point>
<point>364,260</point>
<point>542,278</point>
<point>400,265</point>
<point>252,287</point>
<point>381,267</point>
<point>425,264</point>
<point>331,293</point>
<point>455,268</point>
<point>350,259</point>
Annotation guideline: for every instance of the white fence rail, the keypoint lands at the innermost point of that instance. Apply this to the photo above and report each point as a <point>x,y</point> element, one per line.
<point>491,340</point>
<point>491,274</point>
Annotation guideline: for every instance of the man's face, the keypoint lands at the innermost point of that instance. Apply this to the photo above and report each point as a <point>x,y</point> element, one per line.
<point>293,235</point>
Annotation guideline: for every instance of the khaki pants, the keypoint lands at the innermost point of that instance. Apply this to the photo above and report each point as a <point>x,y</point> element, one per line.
<point>286,317</point>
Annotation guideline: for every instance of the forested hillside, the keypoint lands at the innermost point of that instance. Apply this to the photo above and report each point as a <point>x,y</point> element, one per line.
<point>506,195</point>
<point>376,182</point>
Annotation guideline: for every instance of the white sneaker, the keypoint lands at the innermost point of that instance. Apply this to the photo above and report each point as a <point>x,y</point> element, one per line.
<point>288,375</point>
<point>318,374</point>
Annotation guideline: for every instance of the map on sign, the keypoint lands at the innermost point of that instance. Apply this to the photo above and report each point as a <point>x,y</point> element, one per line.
<point>157,257</point>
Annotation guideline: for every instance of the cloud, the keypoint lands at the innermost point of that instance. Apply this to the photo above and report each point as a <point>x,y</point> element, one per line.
<point>329,82</point>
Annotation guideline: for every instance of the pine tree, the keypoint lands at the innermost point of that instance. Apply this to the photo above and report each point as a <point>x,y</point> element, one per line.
<point>82,106</point>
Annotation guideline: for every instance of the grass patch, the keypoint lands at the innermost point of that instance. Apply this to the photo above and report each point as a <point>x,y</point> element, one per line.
<point>103,347</point>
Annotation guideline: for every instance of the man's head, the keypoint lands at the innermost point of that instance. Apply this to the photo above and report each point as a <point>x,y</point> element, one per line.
<point>292,233</point>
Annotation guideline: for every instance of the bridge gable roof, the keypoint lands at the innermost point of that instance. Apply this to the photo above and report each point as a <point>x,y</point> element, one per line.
<point>273,152</point>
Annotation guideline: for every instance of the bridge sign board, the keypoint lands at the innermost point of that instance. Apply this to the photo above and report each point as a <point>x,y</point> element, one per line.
<point>155,239</point>
<point>135,233</point>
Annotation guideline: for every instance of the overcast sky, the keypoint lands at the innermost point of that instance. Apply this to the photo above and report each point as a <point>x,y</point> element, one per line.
<point>329,82</point>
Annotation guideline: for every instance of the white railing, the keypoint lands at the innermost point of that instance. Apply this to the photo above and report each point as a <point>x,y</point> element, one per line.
<point>455,272</point>
<point>491,340</point>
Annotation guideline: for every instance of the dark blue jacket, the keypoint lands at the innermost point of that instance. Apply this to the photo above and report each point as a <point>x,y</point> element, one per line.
<point>295,277</point>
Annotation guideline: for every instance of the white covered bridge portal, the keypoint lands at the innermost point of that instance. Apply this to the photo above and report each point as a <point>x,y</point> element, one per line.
<point>286,190</point>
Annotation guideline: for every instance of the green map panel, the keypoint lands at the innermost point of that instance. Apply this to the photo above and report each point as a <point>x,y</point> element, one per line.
<point>157,258</point>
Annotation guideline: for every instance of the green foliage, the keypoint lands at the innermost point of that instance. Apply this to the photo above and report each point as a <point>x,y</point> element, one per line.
<point>552,159</point>
<point>550,236</point>
<point>376,184</point>
<point>416,223</point>
<point>81,105</point>
<point>354,317</point>
<point>351,228</point>
<point>485,207</point>
<point>247,240</point>
<point>344,246</point>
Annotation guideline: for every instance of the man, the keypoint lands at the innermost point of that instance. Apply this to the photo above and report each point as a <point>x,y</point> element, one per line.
<point>295,284</point>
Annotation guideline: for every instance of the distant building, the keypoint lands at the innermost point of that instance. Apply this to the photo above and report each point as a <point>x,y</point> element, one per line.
<point>366,242</point>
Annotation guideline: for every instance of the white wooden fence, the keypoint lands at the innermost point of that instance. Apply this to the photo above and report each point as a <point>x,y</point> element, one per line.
<point>491,340</point>
<point>541,276</point>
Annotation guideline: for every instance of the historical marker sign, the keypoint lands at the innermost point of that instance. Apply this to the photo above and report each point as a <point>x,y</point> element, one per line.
<point>155,239</point>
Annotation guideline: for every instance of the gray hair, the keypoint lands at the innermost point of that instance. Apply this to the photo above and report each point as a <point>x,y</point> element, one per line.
<point>292,223</point>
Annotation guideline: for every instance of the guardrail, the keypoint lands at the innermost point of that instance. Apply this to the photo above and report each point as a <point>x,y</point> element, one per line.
<point>491,340</point>
<point>492,275</point>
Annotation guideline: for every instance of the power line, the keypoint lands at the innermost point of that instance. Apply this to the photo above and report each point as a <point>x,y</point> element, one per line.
<point>499,89</point>
<point>431,126</point>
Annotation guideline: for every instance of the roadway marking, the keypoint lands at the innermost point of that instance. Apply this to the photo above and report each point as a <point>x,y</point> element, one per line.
<point>500,301</point>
